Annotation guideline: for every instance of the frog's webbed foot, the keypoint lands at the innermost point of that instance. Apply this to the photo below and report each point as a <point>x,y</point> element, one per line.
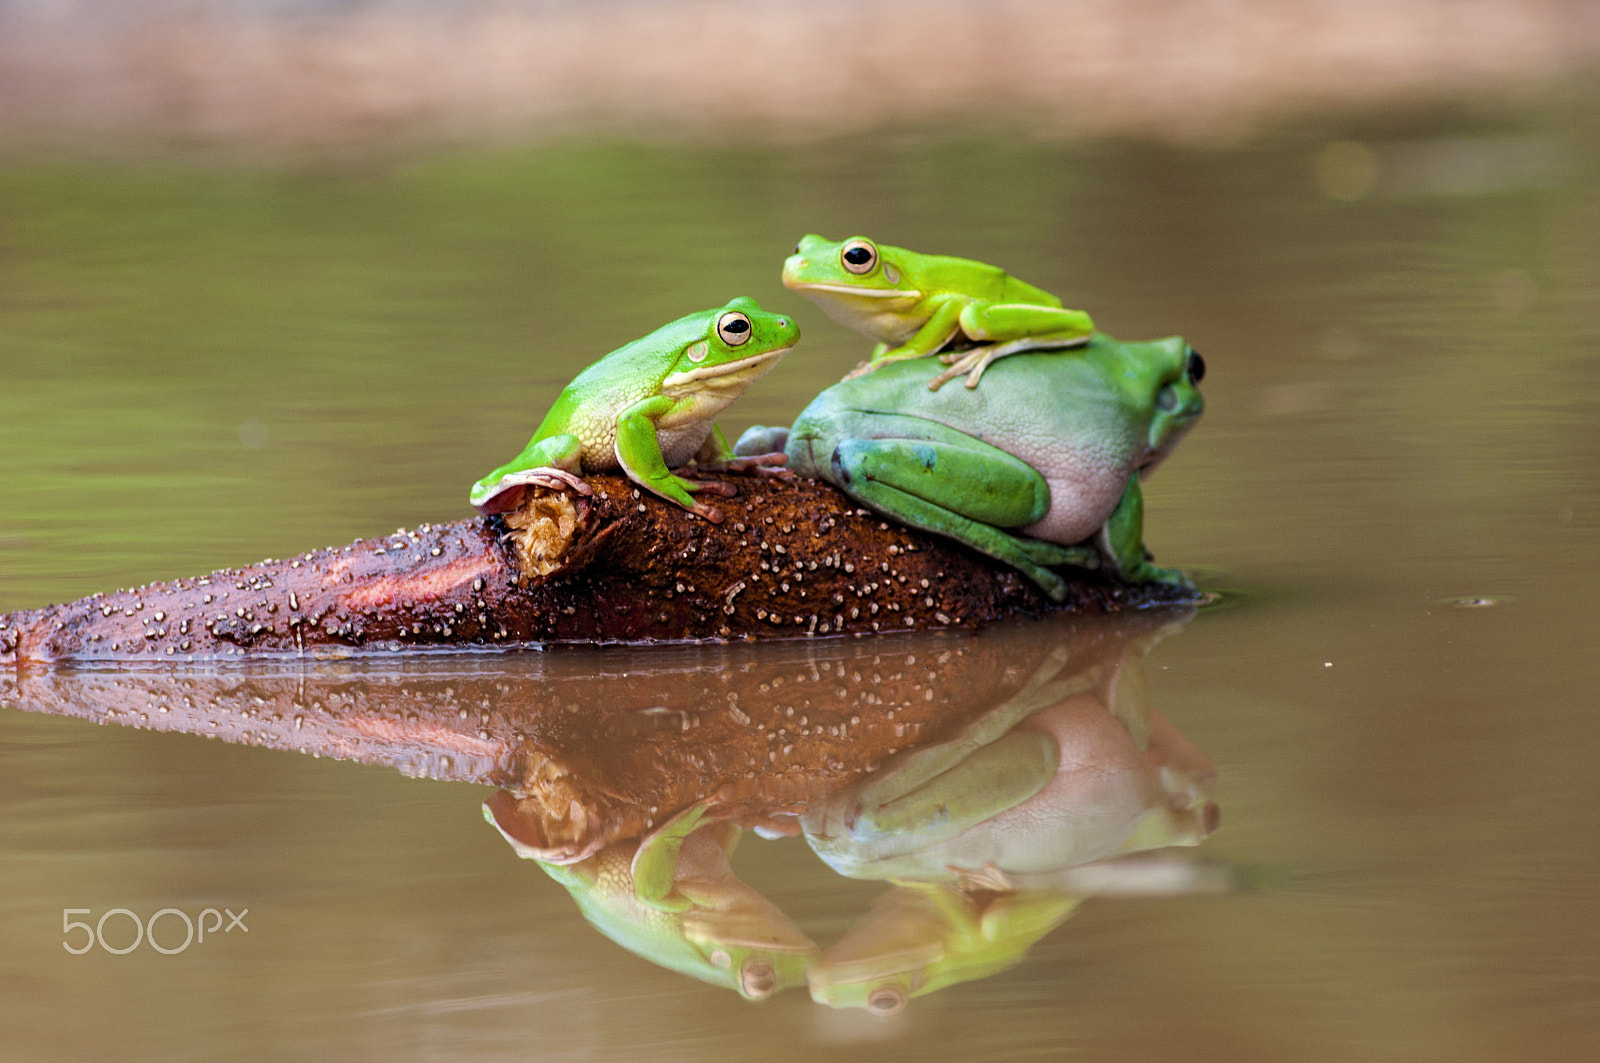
<point>974,361</point>
<point>508,494</point>
<point>770,464</point>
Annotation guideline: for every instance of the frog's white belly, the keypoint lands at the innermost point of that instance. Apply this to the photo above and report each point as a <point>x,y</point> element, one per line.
<point>678,445</point>
<point>598,433</point>
<point>1086,471</point>
<point>1084,491</point>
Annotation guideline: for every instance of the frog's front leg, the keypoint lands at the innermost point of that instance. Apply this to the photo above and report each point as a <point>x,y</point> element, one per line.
<point>940,328</point>
<point>1009,328</point>
<point>655,862</point>
<point>552,462</point>
<point>639,453</point>
<point>1121,541</point>
<point>953,484</point>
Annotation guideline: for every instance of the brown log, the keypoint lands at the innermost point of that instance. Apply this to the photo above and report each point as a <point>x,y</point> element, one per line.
<point>791,558</point>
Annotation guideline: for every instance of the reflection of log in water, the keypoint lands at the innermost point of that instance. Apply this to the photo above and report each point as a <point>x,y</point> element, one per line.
<point>792,558</point>
<point>985,773</point>
<point>596,745</point>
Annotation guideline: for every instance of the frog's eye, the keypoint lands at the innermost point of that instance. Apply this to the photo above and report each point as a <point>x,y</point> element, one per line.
<point>1197,367</point>
<point>859,256</point>
<point>886,1000</point>
<point>734,328</point>
<point>758,978</point>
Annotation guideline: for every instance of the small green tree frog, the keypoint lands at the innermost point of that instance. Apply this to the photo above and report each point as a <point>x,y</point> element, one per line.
<point>647,407</point>
<point>915,305</point>
<point>1041,467</point>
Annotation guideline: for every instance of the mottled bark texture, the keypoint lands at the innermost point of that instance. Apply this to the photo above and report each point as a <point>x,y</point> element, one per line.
<point>792,558</point>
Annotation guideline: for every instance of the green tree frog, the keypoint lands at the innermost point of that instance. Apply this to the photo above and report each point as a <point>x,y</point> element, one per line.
<point>1041,467</point>
<point>915,305</point>
<point>647,407</point>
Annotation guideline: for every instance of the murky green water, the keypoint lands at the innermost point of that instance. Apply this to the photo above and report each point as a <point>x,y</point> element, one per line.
<point>1395,479</point>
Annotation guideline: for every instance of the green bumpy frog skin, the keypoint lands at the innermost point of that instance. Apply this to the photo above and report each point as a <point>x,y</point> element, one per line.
<point>1041,467</point>
<point>916,305</point>
<point>647,407</point>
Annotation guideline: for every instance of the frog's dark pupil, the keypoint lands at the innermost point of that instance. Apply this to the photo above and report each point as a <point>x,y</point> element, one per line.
<point>858,256</point>
<point>1197,366</point>
<point>737,325</point>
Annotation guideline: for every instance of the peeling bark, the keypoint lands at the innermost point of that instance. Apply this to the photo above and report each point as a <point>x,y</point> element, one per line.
<point>791,558</point>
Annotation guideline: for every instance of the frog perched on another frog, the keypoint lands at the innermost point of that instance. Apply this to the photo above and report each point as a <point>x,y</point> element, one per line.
<point>1041,467</point>
<point>647,407</point>
<point>915,305</point>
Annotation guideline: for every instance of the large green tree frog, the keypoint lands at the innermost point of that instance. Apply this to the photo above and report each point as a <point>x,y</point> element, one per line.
<point>915,305</point>
<point>1041,467</point>
<point>648,407</point>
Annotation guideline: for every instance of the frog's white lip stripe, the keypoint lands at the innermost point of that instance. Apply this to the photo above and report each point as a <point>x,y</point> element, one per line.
<point>865,293</point>
<point>678,380</point>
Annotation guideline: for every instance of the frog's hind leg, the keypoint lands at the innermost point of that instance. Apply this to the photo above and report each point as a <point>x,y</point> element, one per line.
<point>551,463</point>
<point>961,488</point>
<point>1008,328</point>
<point>975,360</point>
<point>1047,326</point>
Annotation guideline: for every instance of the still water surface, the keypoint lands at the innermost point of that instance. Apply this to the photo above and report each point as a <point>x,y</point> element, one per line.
<point>1395,483</point>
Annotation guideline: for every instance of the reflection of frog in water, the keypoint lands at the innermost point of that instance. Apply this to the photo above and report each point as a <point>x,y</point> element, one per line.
<point>984,831</point>
<point>673,899</point>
